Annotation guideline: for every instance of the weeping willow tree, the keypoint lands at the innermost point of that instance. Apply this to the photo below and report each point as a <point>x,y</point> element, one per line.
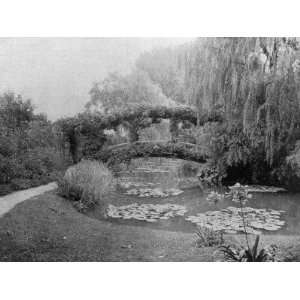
<point>215,73</point>
<point>255,83</point>
<point>271,111</point>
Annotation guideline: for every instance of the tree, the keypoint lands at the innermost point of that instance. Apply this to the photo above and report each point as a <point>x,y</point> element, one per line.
<point>28,145</point>
<point>165,67</point>
<point>116,93</point>
<point>254,82</point>
<point>15,113</point>
<point>122,93</point>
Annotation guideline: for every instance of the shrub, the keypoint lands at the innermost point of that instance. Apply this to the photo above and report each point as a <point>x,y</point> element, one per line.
<point>31,150</point>
<point>208,177</point>
<point>9,169</point>
<point>5,189</point>
<point>21,184</point>
<point>86,183</point>
<point>8,146</point>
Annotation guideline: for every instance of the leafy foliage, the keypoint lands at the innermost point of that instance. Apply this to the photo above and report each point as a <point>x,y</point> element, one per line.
<point>240,194</point>
<point>156,132</point>
<point>116,93</point>
<point>251,254</point>
<point>15,113</point>
<point>165,67</point>
<point>29,154</point>
<point>254,82</point>
<point>89,128</point>
<point>125,152</point>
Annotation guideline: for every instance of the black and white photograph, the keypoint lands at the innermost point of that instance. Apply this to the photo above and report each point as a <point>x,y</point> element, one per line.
<point>144,162</point>
<point>150,149</point>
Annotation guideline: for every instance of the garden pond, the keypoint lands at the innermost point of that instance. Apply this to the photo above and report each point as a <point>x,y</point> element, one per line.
<point>164,194</point>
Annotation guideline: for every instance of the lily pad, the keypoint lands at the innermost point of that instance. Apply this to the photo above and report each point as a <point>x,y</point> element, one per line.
<point>230,219</point>
<point>146,212</point>
<point>154,192</point>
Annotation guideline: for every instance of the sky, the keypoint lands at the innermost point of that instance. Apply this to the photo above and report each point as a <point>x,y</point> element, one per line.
<point>57,73</point>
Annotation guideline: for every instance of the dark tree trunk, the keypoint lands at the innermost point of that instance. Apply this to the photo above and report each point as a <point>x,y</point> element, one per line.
<point>133,135</point>
<point>74,140</point>
<point>174,130</point>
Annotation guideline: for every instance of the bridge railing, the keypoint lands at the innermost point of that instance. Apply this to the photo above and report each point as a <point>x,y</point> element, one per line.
<point>164,142</point>
<point>127,151</point>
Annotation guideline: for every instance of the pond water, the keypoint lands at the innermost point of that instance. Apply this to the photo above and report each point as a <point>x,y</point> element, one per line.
<point>173,200</point>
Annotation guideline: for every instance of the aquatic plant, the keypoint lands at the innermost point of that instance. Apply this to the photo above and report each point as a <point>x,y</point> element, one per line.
<point>240,194</point>
<point>154,192</point>
<point>230,220</point>
<point>146,212</point>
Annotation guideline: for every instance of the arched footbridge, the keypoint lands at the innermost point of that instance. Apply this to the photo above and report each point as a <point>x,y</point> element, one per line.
<point>126,151</point>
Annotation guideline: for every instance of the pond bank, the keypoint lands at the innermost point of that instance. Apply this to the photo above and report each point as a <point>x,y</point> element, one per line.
<point>48,228</point>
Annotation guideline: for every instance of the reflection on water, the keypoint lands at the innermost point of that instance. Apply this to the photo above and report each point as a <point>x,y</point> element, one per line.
<point>168,174</point>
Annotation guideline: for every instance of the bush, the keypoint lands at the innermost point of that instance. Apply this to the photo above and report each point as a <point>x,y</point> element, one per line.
<point>288,173</point>
<point>86,183</point>
<point>21,184</point>
<point>7,167</point>
<point>5,189</point>
<point>31,151</point>
<point>8,146</point>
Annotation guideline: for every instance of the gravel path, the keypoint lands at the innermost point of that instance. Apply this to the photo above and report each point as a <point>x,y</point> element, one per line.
<point>9,201</point>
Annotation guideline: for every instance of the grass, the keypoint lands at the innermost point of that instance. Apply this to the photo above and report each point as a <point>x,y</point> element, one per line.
<point>48,228</point>
<point>86,183</point>
<point>72,236</point>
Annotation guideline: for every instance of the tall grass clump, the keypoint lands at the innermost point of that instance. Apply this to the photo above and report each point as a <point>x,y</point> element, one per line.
<point>86,183</point>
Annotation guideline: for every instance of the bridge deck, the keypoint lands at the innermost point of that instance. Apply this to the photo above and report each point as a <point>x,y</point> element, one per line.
<point>127,151</point>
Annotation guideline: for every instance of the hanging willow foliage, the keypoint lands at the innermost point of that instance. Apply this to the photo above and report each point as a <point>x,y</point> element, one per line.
<point>256,83</point>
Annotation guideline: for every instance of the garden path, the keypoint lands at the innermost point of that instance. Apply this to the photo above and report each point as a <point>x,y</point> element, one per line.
<point>11,200</point>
